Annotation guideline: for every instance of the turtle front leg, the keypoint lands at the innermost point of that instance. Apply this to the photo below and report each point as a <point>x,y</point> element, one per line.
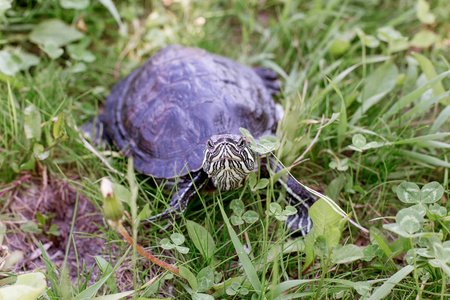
<point>297,197</point>
<point>185,191</point>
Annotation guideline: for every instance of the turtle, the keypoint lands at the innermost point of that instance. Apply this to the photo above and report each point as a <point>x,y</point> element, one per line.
<point>178,116</point>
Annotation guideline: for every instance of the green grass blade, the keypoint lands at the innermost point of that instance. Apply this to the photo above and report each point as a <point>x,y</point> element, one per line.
<point>427,67</point>
<point>243,257</point>
<point>386,288</point>
<point>423,158</point>
<point>421,108</point>
<point>408,99</point>
<point>443,117</point>
<point>287,285</point>
<point>342,127</point>
<point>377,85</point>
<point>434,144</point>
<point>93,289</point>
<point>117,296</point>
<point>421,139</point>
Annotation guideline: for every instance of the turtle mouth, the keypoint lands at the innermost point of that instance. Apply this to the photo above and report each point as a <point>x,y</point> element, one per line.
<point>216,159</point>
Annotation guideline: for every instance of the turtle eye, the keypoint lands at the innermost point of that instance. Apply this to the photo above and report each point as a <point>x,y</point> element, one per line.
<point>210,144</point>
<point>241,143</point>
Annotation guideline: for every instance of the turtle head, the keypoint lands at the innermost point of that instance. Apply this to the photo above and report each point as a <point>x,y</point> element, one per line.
<point>228,159</point>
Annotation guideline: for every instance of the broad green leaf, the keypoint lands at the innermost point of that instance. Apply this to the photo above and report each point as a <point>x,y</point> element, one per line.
<point>408,192</point>
<point>205,279</point>
<point>269,143</point>
<point>238,207</point>
<point>250,217</point>
<point>424,39</point>
<point>79,52</point>
<point>321,246</point>
<point>52,50</point>
<point>11,260</point>
<point>423,12</point>
<point>327,223</point>
<point>428,69</point>
<point>74,4</point>
<point>56,32</point>
<point>201,238</point>
<point>376,86</point>
<point>200,296</point>
<point>7,65</point>
<point>432,192</point>
<point>27,287</point>
<point>384,290</point>
<point>186,274</point>
<point>346,254</point>
<point>32,122</point>
<point>177,238</point>
<point>122,193</point>
<point>24,59</point>
<point>265,144</point>
<point>409,220</point>
<point>30,227</point>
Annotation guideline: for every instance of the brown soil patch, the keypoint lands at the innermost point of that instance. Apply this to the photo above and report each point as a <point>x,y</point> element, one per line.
<point>58,197</point>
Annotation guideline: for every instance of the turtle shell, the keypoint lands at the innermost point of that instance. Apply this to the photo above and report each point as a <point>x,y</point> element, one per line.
<point>164,112</point>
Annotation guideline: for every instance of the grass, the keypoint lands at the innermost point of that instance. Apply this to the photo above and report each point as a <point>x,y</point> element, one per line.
<point>346,57</point>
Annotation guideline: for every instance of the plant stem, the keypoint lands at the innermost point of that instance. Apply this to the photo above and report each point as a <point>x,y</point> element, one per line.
<point>359,165</point>
<point>416,275</point>
<point>147,255</point>
<point>322,277</point>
